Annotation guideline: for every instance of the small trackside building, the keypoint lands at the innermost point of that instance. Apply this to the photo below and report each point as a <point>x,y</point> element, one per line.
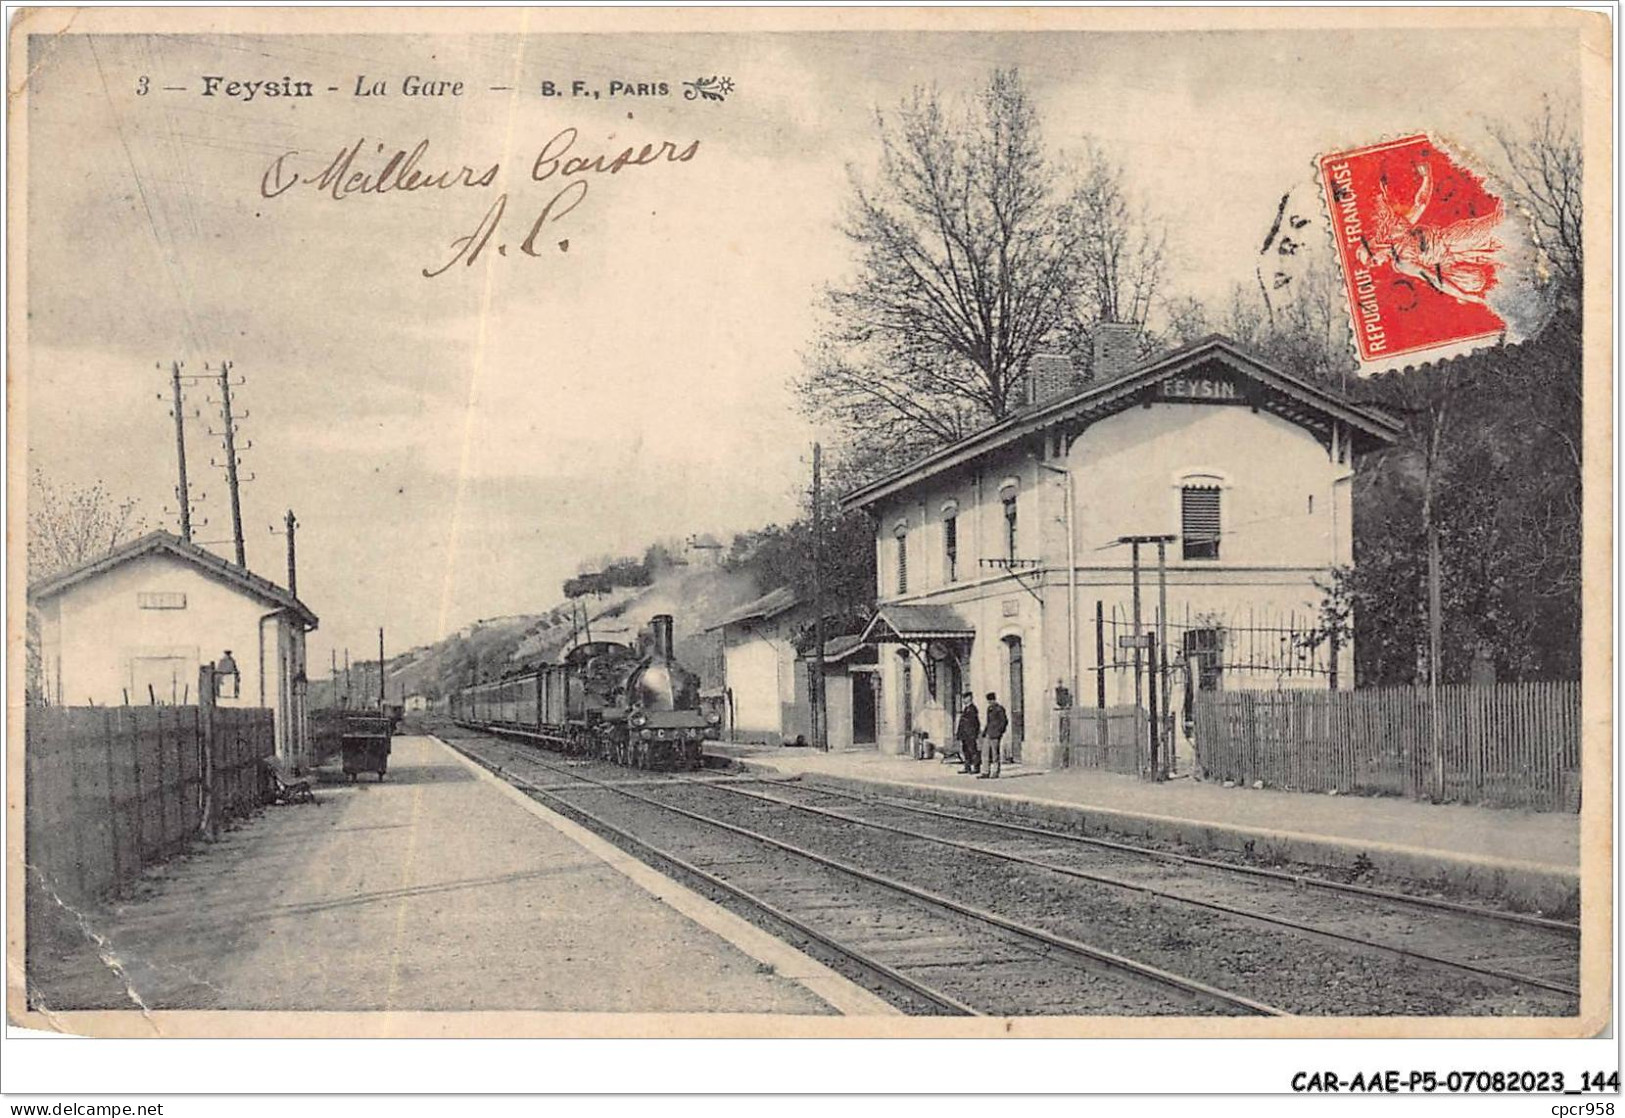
<point>995,553</point>
<point>135,625</point>
<point>759,666</point>
<point>767,669</point>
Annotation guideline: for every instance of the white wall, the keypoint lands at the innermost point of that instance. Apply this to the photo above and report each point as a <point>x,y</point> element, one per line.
<point>756,671</point>
<point>1128,471</point>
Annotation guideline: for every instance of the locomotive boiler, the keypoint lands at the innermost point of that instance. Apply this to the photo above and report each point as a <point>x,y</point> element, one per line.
<point>634,704</point>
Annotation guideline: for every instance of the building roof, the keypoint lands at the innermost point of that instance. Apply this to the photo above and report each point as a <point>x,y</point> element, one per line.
<point>765,608</point>
<point>161,542</point>
<point>895,624</point>
<point>1301,401</point>
<point>839,649</point>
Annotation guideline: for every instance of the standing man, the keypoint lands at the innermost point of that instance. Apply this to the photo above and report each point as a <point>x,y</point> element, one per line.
<point>997,722</point>
<point>968,730</point>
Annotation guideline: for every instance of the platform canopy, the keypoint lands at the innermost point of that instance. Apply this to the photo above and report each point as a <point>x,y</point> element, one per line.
<point>916,624</point>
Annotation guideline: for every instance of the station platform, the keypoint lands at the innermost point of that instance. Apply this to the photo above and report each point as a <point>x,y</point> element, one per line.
<point>440,888</point>
<point>1530,860</point>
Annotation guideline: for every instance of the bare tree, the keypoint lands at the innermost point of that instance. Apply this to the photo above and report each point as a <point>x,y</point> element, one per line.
<point>66,528</point>
<point>975,250</point>
<point>1544,171</point>
<point>1295,312</point>
<point>1122,247</point>
<point>69,526</point>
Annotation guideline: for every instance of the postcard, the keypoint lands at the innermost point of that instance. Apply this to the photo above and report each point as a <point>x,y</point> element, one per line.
<point>811,523</point>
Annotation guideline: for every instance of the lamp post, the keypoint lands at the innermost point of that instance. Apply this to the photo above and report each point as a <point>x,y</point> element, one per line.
<point>219,680</point>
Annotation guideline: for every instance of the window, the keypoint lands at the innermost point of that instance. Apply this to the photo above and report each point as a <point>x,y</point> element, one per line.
<point>1203,650</point>
<point>902,564</point>
<point>950,545</point>
<point>1010,528</point>
<point>1199,521</point>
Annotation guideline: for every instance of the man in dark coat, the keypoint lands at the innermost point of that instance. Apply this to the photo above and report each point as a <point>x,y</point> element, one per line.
<point>997,723</point>
<point>968,731</point>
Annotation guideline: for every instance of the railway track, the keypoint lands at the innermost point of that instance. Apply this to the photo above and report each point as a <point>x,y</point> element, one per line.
<point>1552,946</point>
<point>1301,881</point>
<point>924,951</point>
<point>1438,957</point>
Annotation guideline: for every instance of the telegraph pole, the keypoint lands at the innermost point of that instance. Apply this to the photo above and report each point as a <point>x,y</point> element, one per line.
<point>819,713</point>
<point>293,569</point>
<point>1139,687</point>
<point>231,461</point>
<point>380,669</point>
<point>1139,640</point>
<point>183,495</point>
<point>1162,650</point>
<point>1100,656</point>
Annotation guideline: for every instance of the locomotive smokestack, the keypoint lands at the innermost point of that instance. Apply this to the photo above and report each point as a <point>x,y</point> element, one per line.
<point>660,626</point>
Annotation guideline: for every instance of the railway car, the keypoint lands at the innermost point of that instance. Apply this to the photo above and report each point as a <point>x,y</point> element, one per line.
<point>634,705</point>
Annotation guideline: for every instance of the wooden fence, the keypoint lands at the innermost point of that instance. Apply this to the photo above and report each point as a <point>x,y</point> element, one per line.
<point>1115,739</point>
<point>111,790</point>
<point>1506,745</point>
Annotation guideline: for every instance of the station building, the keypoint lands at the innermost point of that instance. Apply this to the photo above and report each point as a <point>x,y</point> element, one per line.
<point>996,553</point>
<point>135,626</point>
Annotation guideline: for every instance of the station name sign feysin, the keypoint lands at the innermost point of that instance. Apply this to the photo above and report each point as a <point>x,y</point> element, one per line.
<point>1199,388</point>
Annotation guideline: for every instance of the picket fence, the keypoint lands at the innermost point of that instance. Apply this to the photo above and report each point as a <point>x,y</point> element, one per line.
<point>1504,745</point>
<point>112,790</point>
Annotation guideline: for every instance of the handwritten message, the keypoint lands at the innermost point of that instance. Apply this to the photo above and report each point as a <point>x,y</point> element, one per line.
<point>564,169</point>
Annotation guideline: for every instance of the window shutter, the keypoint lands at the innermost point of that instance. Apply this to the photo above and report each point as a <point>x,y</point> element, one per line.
<point>1199,522</point>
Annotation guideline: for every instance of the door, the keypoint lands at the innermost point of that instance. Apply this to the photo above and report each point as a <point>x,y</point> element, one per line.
<point>951,692</point>
<point>863,708</point>
<point>1017,705</point>
<point>166,680</point>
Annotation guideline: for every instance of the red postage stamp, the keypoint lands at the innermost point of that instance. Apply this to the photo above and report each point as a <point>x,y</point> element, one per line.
<point>1420,242</point>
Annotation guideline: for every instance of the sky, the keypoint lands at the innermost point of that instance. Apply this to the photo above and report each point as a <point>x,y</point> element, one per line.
<point>456,446</point>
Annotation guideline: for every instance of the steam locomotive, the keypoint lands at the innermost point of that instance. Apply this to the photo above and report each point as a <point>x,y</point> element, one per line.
<point>634,705</point>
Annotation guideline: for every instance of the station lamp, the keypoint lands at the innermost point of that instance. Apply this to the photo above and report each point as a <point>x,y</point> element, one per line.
<point>226,677</point>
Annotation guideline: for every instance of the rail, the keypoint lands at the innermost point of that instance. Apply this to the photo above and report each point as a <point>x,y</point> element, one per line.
<point>1134,968</point>
<point>1179,898</point>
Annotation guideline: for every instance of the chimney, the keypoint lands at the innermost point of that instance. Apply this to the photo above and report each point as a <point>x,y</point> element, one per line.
<point>660,627</point>
<point>1049,377</point>
<point>1117,350</point>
